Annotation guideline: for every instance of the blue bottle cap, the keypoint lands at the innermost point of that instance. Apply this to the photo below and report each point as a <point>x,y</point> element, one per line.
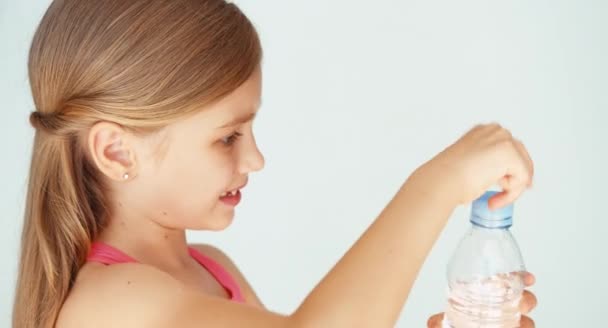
<point>482,216</point>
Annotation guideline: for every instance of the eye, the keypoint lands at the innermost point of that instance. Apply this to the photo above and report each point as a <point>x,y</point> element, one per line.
<point>231,139</point>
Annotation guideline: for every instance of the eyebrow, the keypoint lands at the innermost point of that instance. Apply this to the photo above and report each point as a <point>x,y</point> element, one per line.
<point>239,120</point>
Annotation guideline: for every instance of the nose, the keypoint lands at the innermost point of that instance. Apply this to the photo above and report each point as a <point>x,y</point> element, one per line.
<point>252,158</point>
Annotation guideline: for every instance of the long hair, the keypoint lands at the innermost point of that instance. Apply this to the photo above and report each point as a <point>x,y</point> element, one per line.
<point>139,63</point>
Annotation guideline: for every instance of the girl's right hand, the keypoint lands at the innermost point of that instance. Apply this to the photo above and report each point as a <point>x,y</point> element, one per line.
<point>527,303</point>
<point>484,156</point>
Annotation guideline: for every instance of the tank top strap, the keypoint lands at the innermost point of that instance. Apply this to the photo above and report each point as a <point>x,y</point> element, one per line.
<point>106,254</point>
<point>219,273</point>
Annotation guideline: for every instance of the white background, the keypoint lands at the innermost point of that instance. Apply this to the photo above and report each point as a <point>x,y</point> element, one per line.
<point>357,95</point>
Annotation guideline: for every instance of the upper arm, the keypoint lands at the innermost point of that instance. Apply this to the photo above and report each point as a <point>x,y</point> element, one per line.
<point>223,259</point>
<point>135,295</point>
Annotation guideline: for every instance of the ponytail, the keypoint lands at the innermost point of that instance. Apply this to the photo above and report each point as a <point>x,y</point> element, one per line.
<point>63,202</point>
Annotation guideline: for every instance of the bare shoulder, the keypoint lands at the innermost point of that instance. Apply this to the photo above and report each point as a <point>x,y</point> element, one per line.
<point>223,259</point>
<point>125,295</point>
<point>137,295</point>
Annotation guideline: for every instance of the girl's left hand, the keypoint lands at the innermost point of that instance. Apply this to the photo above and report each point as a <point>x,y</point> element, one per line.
<point>527,304</point>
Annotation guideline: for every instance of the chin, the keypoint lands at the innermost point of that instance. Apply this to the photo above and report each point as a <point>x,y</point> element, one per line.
<point>213,222</point>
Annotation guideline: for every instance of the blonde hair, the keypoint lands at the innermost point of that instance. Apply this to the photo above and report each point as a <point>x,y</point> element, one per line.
<point>139,63</point>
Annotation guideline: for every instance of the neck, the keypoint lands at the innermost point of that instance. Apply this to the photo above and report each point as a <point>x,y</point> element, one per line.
<point>147,241</point>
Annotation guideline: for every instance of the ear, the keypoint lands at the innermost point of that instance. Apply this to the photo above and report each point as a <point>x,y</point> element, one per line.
<point>110,147</point>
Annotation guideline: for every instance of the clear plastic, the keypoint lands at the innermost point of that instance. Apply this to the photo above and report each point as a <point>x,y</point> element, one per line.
<point>485,280</point>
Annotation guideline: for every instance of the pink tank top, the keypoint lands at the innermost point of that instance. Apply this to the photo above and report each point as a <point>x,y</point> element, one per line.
<point>106,254</point>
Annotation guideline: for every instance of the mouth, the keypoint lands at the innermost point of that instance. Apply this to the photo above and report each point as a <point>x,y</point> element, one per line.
<point>229,193</point>
<point>234,191</point>
<point>232,197</point>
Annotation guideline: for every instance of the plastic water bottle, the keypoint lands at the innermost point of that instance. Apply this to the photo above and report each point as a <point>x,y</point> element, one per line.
<point>485,273</point>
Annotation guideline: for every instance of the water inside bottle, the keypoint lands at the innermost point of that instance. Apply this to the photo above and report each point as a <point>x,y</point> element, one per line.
<point>490,302</point>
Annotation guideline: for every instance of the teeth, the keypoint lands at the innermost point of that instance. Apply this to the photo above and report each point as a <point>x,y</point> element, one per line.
<point>229,193</point>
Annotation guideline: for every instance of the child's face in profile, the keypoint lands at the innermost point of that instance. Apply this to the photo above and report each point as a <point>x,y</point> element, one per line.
<point>181,179</point>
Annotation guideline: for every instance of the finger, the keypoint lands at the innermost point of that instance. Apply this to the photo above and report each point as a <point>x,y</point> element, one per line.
<point>495,130</point>
<point>529,279</point>
<point>526,322</point>
<point>506,197</point>
<point>528,302</point>
<point>435,321</point>
<point>526,155</point>
<point>509,183</point>
<point>513,183</point>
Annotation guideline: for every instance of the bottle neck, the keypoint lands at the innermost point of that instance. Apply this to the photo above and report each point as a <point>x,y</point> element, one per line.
<point>477,227</point>
<point>491,224</point>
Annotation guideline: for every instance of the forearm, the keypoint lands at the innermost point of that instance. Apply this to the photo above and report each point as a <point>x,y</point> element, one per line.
<point>369,285</point>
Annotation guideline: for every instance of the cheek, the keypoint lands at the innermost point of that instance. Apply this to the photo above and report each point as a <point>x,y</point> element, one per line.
<point>191,188</point>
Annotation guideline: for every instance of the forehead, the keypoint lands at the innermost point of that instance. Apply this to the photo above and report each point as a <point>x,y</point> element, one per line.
<point>242,101</point>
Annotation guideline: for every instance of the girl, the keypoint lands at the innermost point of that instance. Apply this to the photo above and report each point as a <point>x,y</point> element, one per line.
<point>143,120</point>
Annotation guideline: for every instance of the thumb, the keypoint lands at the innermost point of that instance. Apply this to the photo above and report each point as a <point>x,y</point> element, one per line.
<point>435,321</point>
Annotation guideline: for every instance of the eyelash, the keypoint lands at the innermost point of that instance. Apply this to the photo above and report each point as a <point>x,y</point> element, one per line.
<point>231,139</point>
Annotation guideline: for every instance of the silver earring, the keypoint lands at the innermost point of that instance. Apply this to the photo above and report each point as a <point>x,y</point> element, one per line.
<point>126,176</point>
